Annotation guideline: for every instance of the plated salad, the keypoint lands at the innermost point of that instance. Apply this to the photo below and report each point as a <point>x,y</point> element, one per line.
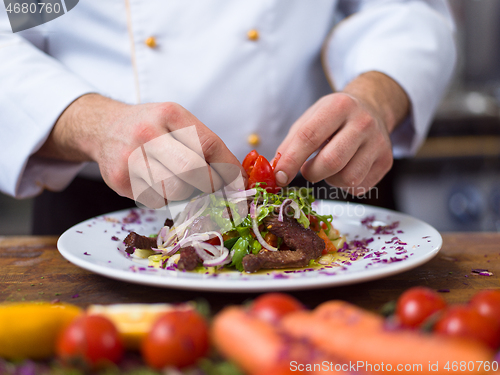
<point>262,227</point>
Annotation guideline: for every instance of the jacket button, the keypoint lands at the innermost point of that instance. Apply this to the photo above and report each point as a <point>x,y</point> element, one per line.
<point>253,139</point>
<point>150,42</point>
<point>253,35</point>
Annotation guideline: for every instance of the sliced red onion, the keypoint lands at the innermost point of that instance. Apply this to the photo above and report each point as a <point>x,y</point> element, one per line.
<point>253,210</point>
<point>254,213</point>
<point>294,205</point>
<point>224,258</point>
<point>196,238</point>
<point>179,229</point>
<point>173,260</point>
<point>211,260</point>
<point>161,236</point>
<point>296,209</point>
<point>200,250</point>
<point>255,227</point>
<point>280,216</point>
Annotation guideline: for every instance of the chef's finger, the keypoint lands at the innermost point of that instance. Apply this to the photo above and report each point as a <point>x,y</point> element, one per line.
<point>336,155</point>
<point>213,149</point>
<point>189,136</point>
<point>232,175</point>
<point>145,194</point>
<point>216,152</point>
<point>301,121</point>
<point>166,183</point>
<point>354,172</point>
<point>305,140</point>
<point>377,171</point>
<point>183,162</point>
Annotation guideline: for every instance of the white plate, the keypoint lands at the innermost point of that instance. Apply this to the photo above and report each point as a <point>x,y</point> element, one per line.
<point>94,245</point>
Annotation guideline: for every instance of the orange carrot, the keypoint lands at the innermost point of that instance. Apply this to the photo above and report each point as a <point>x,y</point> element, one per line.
<point>353,334</point>
<point>260,348</point>
<point>345,313</point>
<point>251,343</point>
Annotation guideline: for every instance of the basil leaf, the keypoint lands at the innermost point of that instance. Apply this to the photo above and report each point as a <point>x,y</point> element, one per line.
<point>240,249</point>
<point>255,247</point>
<point>229,243</point>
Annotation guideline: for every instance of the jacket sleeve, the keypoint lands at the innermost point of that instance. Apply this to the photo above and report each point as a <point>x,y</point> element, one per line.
<point>35,90</point>
<point>411,41</point>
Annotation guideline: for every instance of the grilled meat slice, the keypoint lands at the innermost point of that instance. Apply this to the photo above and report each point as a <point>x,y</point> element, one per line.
<point>168,222</point>
<point>295,236</point>
<point>304,244</point>
<point>275,259</point>
<point>189,259</point>
<point>139,242</point>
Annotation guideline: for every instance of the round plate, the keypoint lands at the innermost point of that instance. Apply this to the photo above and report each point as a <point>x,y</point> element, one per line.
<point>382,243</point>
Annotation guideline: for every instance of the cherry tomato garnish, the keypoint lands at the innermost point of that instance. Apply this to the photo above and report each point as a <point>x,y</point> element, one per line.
<point>487,303</point>
<point>262,172</point>
<point>329,246</point>
<point>313,223</point>
<point>276,160</point>
<point>249,161</point>
<point>91,338</point>
<point>214,241</point>
<point>416,305</point>
<point>272,307</point>
<point>177,339</point>
<point>466,322</point>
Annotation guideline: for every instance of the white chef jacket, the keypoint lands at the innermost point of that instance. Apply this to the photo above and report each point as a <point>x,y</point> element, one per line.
<point>203,57</point>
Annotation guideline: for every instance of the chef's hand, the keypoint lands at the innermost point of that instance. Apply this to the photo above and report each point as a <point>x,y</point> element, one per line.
<point>353,127</point>
<point>151,149</point>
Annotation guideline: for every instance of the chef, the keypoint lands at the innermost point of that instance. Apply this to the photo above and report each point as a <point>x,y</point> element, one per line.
<point>352,82</point>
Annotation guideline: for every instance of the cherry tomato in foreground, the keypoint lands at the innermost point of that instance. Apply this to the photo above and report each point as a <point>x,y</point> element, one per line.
<point>177,339</point>
<point>263,172</point>
<point>416,305</point>
<point>272,307</point>
<point>487,303</point>
<point>465,322</point>
<point>91,338</point>
<point>249,161</point>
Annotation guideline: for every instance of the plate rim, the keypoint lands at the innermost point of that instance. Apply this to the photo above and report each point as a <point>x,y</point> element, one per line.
<point>259,285</point>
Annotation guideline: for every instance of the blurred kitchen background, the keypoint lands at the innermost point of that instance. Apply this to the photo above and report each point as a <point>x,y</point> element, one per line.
<point>454,181</point>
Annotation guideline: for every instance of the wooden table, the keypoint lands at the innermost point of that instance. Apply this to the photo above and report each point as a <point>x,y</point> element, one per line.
<point>31,269</point>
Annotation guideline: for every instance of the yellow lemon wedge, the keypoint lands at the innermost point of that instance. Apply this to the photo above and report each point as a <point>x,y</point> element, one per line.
<point>133,321</point>
<point>30,330</point>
